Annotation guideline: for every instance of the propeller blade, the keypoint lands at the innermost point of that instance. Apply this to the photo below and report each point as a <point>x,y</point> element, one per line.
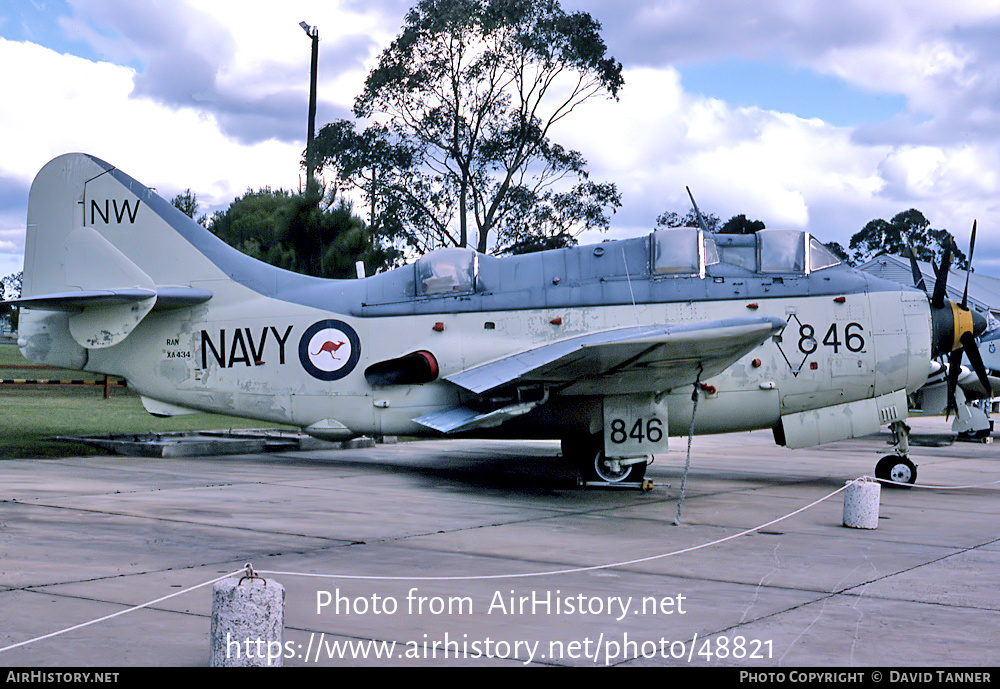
<point>954,370</point>
<point>941,279</point>
<point>976,359</point>
<point>968,270</point>
<point>918,277</point>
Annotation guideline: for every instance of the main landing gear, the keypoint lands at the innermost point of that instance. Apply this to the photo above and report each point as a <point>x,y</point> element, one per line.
<point>587,452</point>
<point>898,468</point>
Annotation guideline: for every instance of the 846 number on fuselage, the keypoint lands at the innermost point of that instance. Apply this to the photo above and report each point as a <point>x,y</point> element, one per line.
<point>854,339</point>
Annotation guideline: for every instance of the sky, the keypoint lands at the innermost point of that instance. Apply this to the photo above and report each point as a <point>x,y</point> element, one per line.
<point>809,114</point>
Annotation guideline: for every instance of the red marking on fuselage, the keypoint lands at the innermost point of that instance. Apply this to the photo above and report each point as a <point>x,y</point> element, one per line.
<point>330,347</point>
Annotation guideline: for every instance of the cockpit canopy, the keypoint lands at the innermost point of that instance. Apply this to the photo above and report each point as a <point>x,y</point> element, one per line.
<point>447,271</point>
<point>689,251</point>
<point>682,251</point>
<point>672,252</point>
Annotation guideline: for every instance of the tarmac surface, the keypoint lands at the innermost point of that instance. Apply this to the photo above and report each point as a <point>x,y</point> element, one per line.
<point>486,553</point>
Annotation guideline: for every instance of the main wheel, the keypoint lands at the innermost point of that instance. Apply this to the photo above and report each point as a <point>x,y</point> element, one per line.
<point>600,468</point>
<point>588,454</point>
<point>897,469</point>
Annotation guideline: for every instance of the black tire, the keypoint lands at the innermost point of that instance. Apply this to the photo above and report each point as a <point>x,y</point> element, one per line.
<point>587,452</point>
<point>899,470</point>
<point>601,469</point>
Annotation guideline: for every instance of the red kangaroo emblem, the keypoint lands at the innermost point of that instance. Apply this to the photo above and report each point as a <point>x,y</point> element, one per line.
<point>330,347</point>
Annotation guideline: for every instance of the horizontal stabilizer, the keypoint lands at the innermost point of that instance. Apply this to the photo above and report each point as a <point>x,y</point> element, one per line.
<point>112,294</point>
<point>103,318</point>
<point>81,299</point>
<point>89,277</point>
<point>166,298</point>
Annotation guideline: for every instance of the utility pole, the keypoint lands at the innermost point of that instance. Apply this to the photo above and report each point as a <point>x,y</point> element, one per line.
<point>313,33</point>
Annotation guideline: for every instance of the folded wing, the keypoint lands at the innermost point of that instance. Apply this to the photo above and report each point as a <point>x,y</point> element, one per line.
<point>652,358</point>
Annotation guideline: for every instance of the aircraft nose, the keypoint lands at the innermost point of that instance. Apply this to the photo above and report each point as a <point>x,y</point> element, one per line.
<point>979,323</point>
<point>950,323</point>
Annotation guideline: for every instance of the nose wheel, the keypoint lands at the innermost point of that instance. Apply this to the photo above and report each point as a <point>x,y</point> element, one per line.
<point>899,470</point>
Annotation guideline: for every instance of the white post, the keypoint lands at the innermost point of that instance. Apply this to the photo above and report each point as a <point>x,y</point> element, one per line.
<point>248,622</point>
<point>861,501</point>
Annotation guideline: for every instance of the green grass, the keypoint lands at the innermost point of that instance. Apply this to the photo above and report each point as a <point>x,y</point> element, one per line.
<point>32,416</point>
<point>13,365</point>
<point>10,355</point>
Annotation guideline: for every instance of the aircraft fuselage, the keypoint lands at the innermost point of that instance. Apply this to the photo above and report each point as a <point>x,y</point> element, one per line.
<point>847,337</point>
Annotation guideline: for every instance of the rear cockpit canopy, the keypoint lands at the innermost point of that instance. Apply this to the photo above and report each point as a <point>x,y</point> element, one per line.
<point>775,252</point>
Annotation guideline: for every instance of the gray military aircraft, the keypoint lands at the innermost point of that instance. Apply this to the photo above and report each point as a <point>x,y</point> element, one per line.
<point>609,348</point>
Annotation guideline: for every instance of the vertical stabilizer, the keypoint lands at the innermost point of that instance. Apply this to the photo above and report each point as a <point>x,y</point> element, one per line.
<point>91,227</point>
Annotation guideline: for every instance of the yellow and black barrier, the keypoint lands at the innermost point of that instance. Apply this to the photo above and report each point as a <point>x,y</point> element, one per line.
<point>107,383</point>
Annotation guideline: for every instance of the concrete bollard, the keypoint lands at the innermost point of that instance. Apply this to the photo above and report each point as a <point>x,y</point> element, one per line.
<point>248,622</point>
<point>861,501</point>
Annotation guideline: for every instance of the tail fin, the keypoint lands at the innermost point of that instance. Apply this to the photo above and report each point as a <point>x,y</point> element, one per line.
<point>102,251</point>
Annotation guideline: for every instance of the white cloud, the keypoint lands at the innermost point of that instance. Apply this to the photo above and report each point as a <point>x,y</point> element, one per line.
<point>246,62</point>
<point>772,166</point>
<point>89,106</point>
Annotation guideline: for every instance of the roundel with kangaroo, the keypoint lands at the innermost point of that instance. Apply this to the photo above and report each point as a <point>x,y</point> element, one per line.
<point>329,350</point>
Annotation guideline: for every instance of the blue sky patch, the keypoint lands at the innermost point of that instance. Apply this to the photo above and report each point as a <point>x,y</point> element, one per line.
<point>785,89</point>
<point>37,21</point>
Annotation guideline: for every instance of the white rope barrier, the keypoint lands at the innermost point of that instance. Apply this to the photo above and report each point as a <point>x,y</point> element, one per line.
<point>932,487</point>
<point>120,612</point>
<point>572,570</point>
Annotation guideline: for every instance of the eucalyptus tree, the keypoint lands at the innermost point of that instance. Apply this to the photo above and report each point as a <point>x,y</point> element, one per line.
<point>458,117</point>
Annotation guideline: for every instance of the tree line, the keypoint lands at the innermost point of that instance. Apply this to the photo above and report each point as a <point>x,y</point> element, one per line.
<point>450,145</point>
